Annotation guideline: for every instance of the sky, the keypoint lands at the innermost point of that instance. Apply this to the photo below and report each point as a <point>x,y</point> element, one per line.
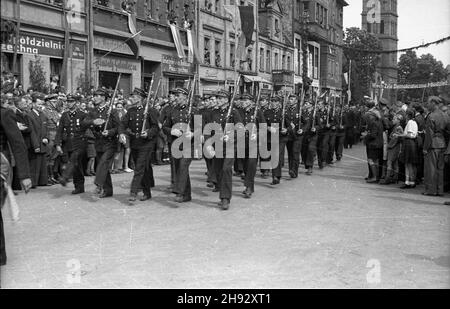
<point>419,22</point>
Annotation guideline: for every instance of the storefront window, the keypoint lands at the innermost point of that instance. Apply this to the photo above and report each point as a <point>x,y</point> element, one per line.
<point>108,80</point>
<point>7,60</point>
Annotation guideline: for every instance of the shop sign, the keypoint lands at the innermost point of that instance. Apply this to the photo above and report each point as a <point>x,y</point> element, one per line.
<point>116,64</point>
<point>36,45</point>
<point>171,64</point>
<point>78,51</point>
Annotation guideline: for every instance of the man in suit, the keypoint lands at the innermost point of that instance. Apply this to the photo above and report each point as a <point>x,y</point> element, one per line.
<point>38,158</point>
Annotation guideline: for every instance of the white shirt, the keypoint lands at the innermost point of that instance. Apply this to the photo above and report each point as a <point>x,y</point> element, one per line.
<point>411,129</point>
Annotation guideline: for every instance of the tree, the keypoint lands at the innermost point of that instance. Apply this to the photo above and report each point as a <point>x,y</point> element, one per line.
<point>37,75</point>
<point>419,70</point>
<point>364,64</point>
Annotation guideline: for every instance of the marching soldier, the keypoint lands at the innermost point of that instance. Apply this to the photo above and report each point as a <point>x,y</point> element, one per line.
<point>209,103</point>
<point>238,165</point>
<point>177,122</point>
<point>264,107</point>
<point>70,139</point>
<point>142,143</point>
<point>295,136</point>
<point>163,115</point>
<point>105,141</point>
<point>333,123</point>
<point>311,127</point>
<point>251,141</point>
<point>223,165</point>
<point>274,118</point>
<point>323,133</point>
<point>340,131</point>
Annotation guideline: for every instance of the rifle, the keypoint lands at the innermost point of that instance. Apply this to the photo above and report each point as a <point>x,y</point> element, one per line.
<point>156,92</point>
<point>230,108</point>
<point>147,103</point>
<point>284,108</point>
<point>255,114</point>
<point>328,110</point>
<point>315,111</point>
<point>191,100</point>
<point>300,110</point>
<point>111,103</point>
<point>342,112</point>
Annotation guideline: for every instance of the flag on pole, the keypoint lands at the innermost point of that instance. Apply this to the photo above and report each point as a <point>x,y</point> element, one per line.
<point>193,56</point>
<point>177,41</point>
<point>243,26</point>
<point>135,41</point>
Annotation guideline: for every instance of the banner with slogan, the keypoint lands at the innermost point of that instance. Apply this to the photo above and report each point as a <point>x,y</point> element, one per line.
<point>411,86</point>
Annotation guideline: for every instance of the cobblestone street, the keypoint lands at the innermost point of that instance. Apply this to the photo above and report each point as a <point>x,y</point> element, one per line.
<point>329,230</point>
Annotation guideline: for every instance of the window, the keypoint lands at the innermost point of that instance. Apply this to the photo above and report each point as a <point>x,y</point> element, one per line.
<point>261,59</point>
<point>250,59</point>
<point>218,60</point>
<point>277,27</point>
<point>288,63</point>
<point>232,47</point>
<point>275,61</point>
<point>207,51</point>
<point>283,62</point>
<point>382,27</point>
<point>55,67</point>
<point>298,10</point>
<point>268,67</point>
<point>217,7</point>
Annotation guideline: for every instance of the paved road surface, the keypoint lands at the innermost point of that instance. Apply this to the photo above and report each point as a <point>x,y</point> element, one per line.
<point>330,230</point>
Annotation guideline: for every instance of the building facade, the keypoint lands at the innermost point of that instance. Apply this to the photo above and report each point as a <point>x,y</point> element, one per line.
<point>386,31</point>
<point>45,29</point>
<point>133,38</point>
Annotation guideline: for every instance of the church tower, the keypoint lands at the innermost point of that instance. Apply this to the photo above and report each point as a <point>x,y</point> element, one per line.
<point>379,17</point>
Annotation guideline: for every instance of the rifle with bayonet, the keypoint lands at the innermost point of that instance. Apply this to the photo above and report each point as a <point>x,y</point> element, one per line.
<point>111,103</point>
<point>255,114</point>
<point>313,127</point>
<point>283,112</point>
<point>147,104</point>
<point>300,110</point>
<point>156,93</point>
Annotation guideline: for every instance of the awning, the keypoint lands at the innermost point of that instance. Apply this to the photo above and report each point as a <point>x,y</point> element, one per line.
<point>256,79</point>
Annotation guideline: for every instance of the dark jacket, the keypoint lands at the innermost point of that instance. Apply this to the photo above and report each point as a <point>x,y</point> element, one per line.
<point>39,126</point>
<point>374,137</point>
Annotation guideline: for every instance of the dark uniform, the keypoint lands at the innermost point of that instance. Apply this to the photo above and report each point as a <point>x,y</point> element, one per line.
<point>52,124</point>
<point>12,146</point>
<point>273,117</point>
<point>163,115</point>
<point>179,118</point>
<point>105,146</point>
<point>340,133</point>
<point>223,166</point>
<point>141,148</point>
<point>323,134</point>
<point>71,137</point>
<point>333,123</point>
<point>251,155</point>
<point>295,140</point>
<point>211,176</point>
<point>309,147</point>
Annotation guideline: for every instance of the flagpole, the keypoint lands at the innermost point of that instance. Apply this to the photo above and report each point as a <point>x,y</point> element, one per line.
<point>236,42</point>
<point>349,82</point>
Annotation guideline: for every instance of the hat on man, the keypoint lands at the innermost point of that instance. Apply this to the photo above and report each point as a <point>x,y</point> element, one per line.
<point>139,92</point>
<point>101,92</point>
<point>50,97</point>
<point>223,94</point>
<point>70,98</point>
<point>37,96</point>
<point>276,98</point>
<point>247,96</point>
<point>383,102</point>
<point>181,90</point>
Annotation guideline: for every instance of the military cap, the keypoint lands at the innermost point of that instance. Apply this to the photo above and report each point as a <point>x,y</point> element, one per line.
<point>139,92</point>
<point>383,101</point>
<point>223,94</point>
<point>101,92</point>
<point>292,95</point>
<point>53,96</point>
<point>37,96</point>
<point>181,90</point>
<point>276,98</point>
<point>247,96</point>
<point>70,98</point>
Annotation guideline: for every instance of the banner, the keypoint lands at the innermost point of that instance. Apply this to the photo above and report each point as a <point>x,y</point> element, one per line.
<point>177,41</point>
<point>411,86</point>
<point>135,42</point>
